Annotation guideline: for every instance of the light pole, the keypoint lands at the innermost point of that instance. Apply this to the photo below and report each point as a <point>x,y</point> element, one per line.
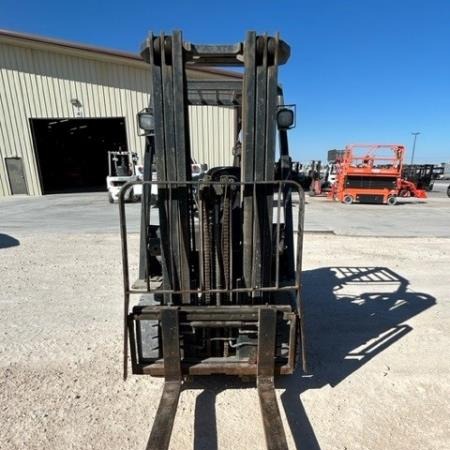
<point>414,145</point>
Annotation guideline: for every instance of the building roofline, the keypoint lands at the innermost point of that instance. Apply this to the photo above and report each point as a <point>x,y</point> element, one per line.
<point>101,50</point>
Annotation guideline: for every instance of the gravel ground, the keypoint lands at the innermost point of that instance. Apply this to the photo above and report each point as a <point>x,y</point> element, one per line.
<point>378,315</point>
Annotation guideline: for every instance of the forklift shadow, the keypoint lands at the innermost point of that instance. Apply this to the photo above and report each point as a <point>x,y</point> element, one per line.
<point>351,315</point>
<point>7,241</point>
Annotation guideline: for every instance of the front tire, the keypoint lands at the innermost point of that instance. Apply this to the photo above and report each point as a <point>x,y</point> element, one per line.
<point>148,336</point>
<point>348,200</point>
<point>392,200</point>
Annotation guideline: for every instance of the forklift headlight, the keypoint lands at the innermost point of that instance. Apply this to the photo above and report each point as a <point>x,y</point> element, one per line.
<point>285,118</point>
<point>146,121</point>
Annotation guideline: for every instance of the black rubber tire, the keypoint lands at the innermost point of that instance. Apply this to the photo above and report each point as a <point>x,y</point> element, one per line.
<point>448,191</point>
<point>392,200</point>
<point>148,340</point>
<point>348,200</point>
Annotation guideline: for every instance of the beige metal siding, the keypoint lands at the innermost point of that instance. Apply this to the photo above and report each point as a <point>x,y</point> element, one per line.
<point>212,134</point>
<point>38,82</point>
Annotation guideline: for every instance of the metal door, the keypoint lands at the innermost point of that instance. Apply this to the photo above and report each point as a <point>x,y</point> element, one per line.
<point>16,175</point>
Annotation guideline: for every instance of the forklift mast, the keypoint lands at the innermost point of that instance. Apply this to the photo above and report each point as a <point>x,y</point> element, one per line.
<point>219,279</point>
<point>121,163</point>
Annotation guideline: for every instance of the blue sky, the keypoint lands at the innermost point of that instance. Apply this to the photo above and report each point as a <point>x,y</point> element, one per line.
<point>360,70</point>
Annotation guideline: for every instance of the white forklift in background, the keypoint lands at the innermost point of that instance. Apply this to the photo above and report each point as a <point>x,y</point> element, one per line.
<point>122,168</point>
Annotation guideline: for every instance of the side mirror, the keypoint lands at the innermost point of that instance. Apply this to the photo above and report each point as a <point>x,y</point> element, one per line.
<point>146,121</point>
<point>286,117</point>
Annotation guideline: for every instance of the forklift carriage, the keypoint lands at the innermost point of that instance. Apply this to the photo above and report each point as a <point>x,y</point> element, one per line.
<point>219,283</point>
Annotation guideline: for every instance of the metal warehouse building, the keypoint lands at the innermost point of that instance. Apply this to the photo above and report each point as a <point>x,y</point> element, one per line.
<point>63,106</point>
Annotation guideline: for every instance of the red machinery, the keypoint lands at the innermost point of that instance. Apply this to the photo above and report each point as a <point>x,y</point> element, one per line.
<point>409,189</point>
<point>371,173</point>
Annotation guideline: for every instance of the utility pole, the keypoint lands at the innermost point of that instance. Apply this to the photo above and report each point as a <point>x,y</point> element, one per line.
<point>414,145</point>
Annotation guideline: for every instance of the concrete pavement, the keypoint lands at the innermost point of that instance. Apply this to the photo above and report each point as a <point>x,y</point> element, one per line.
<point>91,213</point>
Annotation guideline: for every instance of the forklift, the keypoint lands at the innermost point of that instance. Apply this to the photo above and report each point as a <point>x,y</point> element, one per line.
<point>122,168</point>
<point>218,287</point>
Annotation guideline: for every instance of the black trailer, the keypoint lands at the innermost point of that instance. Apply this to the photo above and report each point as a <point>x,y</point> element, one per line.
<point>419,174</point>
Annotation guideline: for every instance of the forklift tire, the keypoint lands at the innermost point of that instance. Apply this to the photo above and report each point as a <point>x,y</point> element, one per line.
<point>110,198</point>
<point>392,200</point>
<point>148,339</point>
<point>448,191</point>
<point>348,200</point>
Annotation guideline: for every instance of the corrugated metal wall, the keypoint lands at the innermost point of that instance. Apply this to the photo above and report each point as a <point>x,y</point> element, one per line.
<point>39,83</point>
<point>211,140</point>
